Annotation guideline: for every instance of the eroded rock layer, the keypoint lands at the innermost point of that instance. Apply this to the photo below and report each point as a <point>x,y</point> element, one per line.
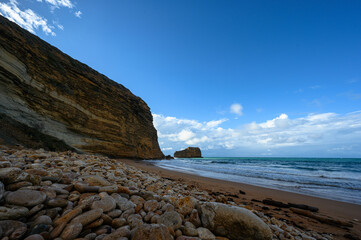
<point>48,93</point>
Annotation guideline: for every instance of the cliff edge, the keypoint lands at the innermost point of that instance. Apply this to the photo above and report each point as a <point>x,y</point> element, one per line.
<point>50,100</point>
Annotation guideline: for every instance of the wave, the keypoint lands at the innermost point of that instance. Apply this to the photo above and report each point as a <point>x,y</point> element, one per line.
<point>338,179</point>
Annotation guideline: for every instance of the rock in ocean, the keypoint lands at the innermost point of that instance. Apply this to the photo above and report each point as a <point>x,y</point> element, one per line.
<point>189,152</point>
<point>50,100</point>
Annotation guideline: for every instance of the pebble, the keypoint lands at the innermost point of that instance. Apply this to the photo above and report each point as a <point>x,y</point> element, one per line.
<point>171,220</point>
<point>16,186</point>
<point>119,233</point>
<point>122,203</point>
<point>71,231</point>
<point>152,231</point>
<point>107,203</point>
<point>9,174</point>
<point>57,202</point>
<point>12,229</point>
<point>34,237</point>
<point>138,201</point>
<point>151,205</point>
<point>43,220</point>
<point>2,190</point>
<point>90,236</point>
<point>109,189</point>
<point>88,217</point>
<point>186,205</point>
<point>82,187</point>
<point>27,198</point>
<point>194,218</point>
<point>94,224</point>
<point>118,222</point>
<point>95,180</point>
<point>107,220</point>
<point>115,213</point>
<point>168,207</point>
<point>205,234</point>
<point>135,220</point>
<point>57,230</point>
<point>13,212</point>
<point>36,209</point>
<point>187,238</point>
<point>39,229</point>
<point>190,230</point>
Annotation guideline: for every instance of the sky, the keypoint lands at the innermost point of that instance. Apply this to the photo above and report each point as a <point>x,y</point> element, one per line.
<point>235,78</point>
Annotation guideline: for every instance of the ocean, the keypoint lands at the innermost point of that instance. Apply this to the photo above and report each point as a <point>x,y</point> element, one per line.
<point>331,178</point>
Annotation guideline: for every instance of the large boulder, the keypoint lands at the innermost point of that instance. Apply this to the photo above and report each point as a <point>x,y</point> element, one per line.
<point>189,152</point>
<point>235,223</point>
<point>50,100</point>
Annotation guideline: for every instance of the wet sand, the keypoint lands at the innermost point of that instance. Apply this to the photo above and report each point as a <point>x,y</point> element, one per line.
<point>346,212</point>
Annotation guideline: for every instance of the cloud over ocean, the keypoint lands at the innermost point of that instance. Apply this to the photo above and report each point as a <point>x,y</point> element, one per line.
<point>325,134</point>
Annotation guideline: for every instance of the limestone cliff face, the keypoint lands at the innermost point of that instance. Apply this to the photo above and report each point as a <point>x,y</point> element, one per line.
<point>47,97</point>
<point>189,152</point>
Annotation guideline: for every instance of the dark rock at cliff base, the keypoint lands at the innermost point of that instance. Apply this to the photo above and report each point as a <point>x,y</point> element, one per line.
<point>50,100</point>
<point>189,152</point>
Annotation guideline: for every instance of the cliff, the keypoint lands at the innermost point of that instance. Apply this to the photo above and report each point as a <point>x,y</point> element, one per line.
<point>50,100</point>
<point>189,152</point>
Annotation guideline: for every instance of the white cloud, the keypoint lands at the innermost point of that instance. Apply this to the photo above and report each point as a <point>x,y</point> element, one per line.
<point>315,134</point>
<point>185,135</point>
<point>61,27</point>
<point>281,122</point>
<point>236,108</point>
<point>78,14</point>
<point>215,123</point>
<point>167,149</point>
<point>59,3</point>
<point>32,21</point>
<point>27,19</point>
<point>197,140</point>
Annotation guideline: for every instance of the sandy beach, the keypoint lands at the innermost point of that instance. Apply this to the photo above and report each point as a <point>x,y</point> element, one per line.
<point>254,195</point>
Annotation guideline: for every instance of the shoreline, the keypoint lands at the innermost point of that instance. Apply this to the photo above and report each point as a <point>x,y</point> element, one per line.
<point>253,185</point>
<point>329,208</point>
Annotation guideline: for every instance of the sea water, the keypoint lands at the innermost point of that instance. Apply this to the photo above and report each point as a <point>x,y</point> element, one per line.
<point>332,178</point>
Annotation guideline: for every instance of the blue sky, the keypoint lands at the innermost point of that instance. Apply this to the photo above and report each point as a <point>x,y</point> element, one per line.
<point>237,78</point>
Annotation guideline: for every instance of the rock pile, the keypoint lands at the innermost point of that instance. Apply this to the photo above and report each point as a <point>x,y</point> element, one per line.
<point>49,195</point>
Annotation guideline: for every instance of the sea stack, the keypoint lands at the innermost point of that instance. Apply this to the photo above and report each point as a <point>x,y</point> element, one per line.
<point>189,152</point>
<point>52,101</point>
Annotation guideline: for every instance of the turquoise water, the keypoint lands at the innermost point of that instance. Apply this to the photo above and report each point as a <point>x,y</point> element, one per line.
<point>332,178</point>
